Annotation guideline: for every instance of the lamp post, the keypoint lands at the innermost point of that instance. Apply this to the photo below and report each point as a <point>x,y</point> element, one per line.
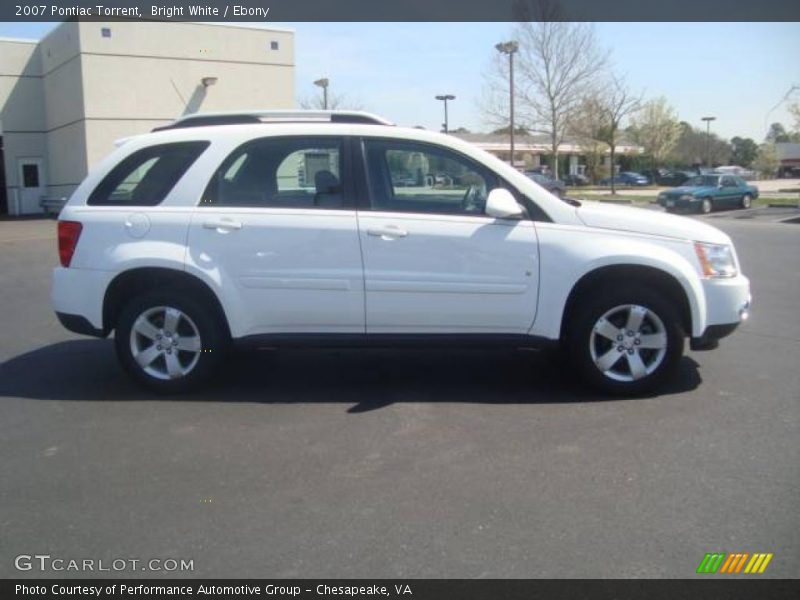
<point>323,83</point>
<point>510,48</point>
<point>444,98</point>
<point>708,138</point>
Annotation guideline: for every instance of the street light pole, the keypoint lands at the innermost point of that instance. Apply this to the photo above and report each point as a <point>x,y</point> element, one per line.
<point>323,83</point>
<point>510,48</point>
<point>445,98</point>
<point>708,138</point>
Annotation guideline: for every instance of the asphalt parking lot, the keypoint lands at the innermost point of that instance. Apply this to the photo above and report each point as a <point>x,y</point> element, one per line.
<point>408,464</point>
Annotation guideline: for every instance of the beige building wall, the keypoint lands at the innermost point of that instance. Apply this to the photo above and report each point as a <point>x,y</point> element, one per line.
<point>86,85</point>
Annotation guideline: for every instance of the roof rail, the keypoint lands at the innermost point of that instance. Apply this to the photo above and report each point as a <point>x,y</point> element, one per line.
<point>275,116</point>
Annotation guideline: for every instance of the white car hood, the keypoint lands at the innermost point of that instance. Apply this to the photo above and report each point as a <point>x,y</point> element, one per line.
<point>651,222</point>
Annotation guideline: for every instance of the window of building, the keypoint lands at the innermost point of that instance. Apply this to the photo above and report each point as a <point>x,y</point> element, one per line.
<point>422,178</point>
<point>146,177</point>
<point>105,32</point>
<point>30,175</point>
<point>273,45</point>
<point>280,173</point>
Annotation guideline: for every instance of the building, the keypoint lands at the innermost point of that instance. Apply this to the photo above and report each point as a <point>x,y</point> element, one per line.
<point>530,149</point>
<point>65,99</point>
<point>788,159</point>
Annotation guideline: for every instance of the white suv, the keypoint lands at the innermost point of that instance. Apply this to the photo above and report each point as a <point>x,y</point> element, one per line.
<point>339,228</point>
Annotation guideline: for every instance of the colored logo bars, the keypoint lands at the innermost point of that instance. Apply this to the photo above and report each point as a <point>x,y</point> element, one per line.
<point>721,562</point>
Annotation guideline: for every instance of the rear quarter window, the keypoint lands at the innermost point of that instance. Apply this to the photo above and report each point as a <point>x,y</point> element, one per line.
<point>146,177</point>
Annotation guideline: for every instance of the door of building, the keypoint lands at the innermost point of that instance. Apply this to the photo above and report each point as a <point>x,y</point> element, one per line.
<point>31,185</point>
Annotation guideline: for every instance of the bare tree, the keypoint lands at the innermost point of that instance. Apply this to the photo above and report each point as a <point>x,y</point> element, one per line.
<point>656,128</point>
<point>617,102</point>
<point>558,63</point>
<point>586,129</point>
<point>335,102</point>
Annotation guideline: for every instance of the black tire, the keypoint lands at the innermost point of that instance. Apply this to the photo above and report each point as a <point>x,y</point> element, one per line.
<point>580,337</point>
<point>747,201</point>
<point>706,206</point>
<point>213,340</point>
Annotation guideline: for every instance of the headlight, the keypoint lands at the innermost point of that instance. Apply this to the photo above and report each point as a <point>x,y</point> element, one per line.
<point>688,197</point>
<point>716,260</point>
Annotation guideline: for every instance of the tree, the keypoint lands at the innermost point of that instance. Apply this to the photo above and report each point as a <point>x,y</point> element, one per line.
<point>335,102</point>
<point>766,163</point>
<point>506,130</point>
<point>744,152</point>
<point>777,134</point>
<point>794,110</point>
<point>586,128</point>
<point>557,63</point>
<point>693,144</point>
<point>656,128</point>
<point>616,103</point>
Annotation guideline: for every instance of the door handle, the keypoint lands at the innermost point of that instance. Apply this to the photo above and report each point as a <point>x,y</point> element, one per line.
<point>390,232</point>
<point>224,224</point>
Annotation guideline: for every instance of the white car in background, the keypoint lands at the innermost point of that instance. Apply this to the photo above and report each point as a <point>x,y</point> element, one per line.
<point>278,228</point>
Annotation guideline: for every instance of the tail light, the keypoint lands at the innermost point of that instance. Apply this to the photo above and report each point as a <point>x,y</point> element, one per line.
<point>68,234</point>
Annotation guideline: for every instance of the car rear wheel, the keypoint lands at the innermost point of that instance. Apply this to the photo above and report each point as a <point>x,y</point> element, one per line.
<point>747,201</point>
<point>627,340</point>
<point>168,341</point>
<point>706,206</point>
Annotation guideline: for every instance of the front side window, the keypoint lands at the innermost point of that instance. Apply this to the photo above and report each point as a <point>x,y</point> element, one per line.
<point>146,177</point>
<point>422,178</point>
<point>280,173</point>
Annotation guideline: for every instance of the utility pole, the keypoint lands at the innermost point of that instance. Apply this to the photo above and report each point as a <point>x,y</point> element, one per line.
<point>445,98</point>
<point>323,83</point>
<point>708,138</point>
<point>510,48</point>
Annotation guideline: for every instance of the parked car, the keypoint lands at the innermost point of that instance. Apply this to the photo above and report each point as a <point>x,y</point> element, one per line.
<point>626,178</point>
<point>576,180</point>
<point>665,177</point>
<point>554,186</point>
<point>704,193</point>
<point>197,236</point>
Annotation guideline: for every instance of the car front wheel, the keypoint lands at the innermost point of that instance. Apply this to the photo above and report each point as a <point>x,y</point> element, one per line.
<point>168,341</point>
<point>627,340</point>
<point>706,206</point>
<point>747,201</point>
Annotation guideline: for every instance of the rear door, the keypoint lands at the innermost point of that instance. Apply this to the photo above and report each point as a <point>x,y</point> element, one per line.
<point>434,261</point>
<point>276,229</point>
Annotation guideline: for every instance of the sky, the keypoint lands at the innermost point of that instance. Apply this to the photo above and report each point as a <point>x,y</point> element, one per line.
<point>737,72</point>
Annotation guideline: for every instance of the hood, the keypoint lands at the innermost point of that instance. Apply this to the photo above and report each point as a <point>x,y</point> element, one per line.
<point>649,222</point>
<point>688,189</point>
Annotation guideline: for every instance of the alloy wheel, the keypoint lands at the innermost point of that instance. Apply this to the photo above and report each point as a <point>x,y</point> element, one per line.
<point>165,343</point>
<point>628,342</point>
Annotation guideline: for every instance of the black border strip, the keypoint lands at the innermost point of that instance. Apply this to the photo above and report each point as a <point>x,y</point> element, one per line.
<point>274,11</point>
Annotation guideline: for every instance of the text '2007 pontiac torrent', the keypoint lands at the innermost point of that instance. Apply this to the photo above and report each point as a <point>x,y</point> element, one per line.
<point>340,228</point>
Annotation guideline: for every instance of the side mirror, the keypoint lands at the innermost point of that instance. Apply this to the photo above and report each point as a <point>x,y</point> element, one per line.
<point>501,204</point>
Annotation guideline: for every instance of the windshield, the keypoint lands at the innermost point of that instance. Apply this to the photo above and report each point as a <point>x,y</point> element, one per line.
<point>703,181</point>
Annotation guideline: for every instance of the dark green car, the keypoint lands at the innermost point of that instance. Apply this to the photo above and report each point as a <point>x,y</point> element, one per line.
<point>704,193</point>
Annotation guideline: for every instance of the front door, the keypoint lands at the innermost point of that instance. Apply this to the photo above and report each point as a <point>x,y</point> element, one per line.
<point>434,262</point>
<point>277,229</point>
<point>32,185</point>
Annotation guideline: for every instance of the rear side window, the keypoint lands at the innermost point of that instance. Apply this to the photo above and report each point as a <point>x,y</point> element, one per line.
<point>146,177</point>
<point>282,172</point>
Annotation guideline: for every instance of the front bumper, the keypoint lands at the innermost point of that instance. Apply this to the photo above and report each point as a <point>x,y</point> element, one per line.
<point>680,204</point>
<point>728,303</point>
